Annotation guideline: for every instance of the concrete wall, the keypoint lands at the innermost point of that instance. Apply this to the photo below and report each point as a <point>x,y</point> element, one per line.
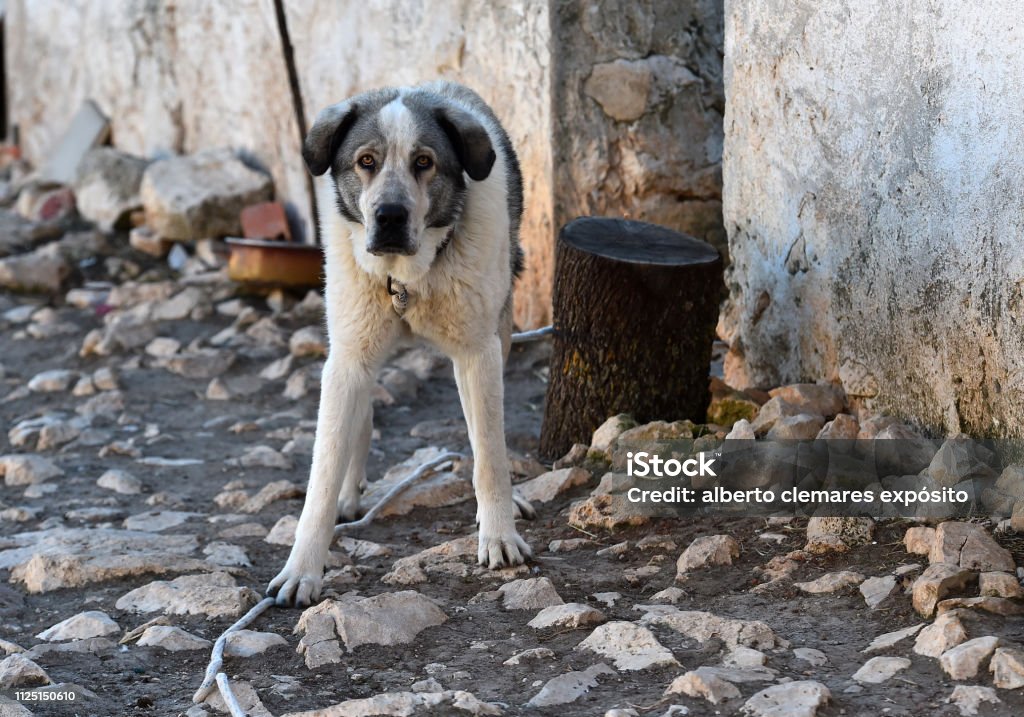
<point>182,75</point>
<point>872,174</point>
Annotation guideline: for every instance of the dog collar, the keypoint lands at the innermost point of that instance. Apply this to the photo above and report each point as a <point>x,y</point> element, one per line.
<point>396,289</point>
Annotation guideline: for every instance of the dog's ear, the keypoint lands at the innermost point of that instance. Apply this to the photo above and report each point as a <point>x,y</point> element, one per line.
<point>469,139</point>
<point>327,134</point>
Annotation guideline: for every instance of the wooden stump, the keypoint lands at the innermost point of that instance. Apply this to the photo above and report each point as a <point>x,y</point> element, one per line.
<point>635,308</point>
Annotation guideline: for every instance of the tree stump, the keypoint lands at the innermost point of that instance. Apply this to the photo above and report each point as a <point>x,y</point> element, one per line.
<point>635,308</point>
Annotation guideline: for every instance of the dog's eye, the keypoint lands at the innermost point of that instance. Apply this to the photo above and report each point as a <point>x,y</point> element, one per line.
<point>367,161</point>
<point>424,162</point>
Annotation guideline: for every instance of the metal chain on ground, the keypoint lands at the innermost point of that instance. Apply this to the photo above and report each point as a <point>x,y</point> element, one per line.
<point>213,675</point>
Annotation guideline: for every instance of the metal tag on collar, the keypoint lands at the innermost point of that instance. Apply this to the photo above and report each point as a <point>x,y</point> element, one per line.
<point>399,297</point>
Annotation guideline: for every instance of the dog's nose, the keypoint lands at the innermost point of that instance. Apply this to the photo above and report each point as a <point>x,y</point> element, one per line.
<point>391,216</point>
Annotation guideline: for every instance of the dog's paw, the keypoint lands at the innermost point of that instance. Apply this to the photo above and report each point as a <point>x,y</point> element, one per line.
<point>349,508</point>
<point>502,549</point>
<point>521,507</point>
<point>296,585</point>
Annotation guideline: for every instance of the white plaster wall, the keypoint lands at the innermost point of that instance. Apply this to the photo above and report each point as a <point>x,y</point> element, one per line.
<point>872,173</point>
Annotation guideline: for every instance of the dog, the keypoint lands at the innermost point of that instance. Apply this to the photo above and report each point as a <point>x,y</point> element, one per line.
<point>420,199</point>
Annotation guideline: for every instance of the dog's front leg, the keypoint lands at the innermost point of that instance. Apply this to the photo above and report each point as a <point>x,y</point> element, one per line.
<point>344,410</point>
<point>478,372</point>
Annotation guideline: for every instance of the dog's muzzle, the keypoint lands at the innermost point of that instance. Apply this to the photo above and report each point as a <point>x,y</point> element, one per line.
<point>391,231</point>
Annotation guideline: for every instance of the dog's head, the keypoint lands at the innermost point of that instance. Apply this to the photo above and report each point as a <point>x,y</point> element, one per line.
<point>397,162</point>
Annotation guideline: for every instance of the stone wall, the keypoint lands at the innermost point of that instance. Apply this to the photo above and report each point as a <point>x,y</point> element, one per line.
<point>638,106</point>
<point>872,200</point>
<point>187,75</point>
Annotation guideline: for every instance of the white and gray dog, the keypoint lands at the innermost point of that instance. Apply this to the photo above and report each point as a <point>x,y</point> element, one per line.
<point>420,198</point>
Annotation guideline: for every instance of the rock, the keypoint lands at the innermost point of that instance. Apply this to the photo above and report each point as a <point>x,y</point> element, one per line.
<point>801,427</point>
<point>40,270</point>
<point>54,381</point>
<point>1000,585</point>
<point>569,687</point>
<point>608,432</point>
<point>262,457</point>
<point>570,615</point>
<point>271,493</point>
<point>180,306</point>
<point>147,241</point>
<point>200,363</point>
<point>653,432</point>
<point>668,596</point>
<point>701,683</point>
<point>246,643</point>
<point>226,555</point>
<point>442,488</point>
<point>529,594</point>
<point>831,582</point>
<point>546,487</point>
<point>120,482</point>
<point>19,671</point>
<point>821,399</point>
<point>850,531</point>
<point>843,427</point>
<point>703,626</point>
<point>158,520</point>
<point>919,539</point>
<point>621,88</point>
<point>448,558</point>
<point>172,639</point>
<point>994,605</point>
<point>963,661</point>
<point>969,546</point>
<point>888,639</point>
<point>247,699</point>
<point>771,412</point>
<point>790,699</point>
<point>968,698</point>
<point>879,589</point>
<point>363,549</point>
<point>817,658</point>
<point>107,186</point>
<point>628,645</point>
<point>879,669</point>
<point>1007,667</point>
<point>92,623</point>
<point>741,431</point>
<point>201,195</point>
<point>569,545</point>
<point>162,347</point>
<point>404,704</point>
<point>956,461</point>
<point>212,595</point>
<point>65,558</point>
<point>308,341</point>
<point>27,469</point>
<point>276,370</point>
<point>385,619</point>
<point>937,581</point>
<point>534,653</point>
<point>283,532</point>
<point>706,551</point>
<point>743,657</point>
<point>18,234</point>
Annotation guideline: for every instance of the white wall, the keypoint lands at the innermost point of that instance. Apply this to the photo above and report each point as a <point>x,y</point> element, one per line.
<point>872,197</point>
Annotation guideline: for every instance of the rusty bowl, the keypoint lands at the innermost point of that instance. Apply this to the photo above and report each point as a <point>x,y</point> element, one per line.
<point>278,263</point>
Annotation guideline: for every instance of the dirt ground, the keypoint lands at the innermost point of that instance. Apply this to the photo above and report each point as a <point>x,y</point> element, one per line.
<point>478,636</point>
